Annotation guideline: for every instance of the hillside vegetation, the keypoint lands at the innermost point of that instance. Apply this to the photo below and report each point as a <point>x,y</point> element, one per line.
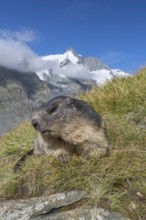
<point>116,182</point>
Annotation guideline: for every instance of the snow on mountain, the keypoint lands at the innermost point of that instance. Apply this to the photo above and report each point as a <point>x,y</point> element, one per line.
<point>104,75</point>
<point>119,73</point>
<point>42,73</point>
<point>72,65</point>
<point>68,55</point>
<point>101,76</point>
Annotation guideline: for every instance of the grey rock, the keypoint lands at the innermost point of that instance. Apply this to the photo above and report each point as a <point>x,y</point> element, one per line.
<point>84,213</point>
<point>93,64</point>
<point>67,86</point>
<point>37,207</point>
<point>19,94</point>
<point>52,208</point>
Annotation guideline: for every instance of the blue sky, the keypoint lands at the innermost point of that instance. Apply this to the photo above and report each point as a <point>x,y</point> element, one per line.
<point>112,30</point>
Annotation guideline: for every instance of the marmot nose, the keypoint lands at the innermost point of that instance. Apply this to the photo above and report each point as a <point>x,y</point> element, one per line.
<point>34,123</point>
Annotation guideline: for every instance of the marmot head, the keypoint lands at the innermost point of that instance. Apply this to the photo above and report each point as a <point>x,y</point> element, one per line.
<point>63,115</point>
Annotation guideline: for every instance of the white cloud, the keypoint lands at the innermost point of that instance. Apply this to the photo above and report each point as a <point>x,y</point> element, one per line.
<point>15,52</point>
<point>75,71</point>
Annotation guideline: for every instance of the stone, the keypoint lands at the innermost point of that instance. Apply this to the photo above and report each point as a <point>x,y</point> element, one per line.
<point>54,207</point>
<point>30,208</point>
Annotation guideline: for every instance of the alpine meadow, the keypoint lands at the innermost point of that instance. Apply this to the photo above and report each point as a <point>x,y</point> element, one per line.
<point>116,182</point>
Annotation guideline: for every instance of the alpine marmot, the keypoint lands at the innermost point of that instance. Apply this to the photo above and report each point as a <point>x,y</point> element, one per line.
<point>68,126</point>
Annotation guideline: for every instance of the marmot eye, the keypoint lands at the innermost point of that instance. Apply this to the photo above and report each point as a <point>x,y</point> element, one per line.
<point>53,109</point>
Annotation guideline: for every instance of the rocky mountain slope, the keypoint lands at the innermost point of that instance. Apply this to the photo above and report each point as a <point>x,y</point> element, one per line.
<point>19,93</point>
<point>70,74</point>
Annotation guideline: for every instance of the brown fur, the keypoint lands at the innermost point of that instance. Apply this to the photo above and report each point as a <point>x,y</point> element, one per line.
<point>68,126</point>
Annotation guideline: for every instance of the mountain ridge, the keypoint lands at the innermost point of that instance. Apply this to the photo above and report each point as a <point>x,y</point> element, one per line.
<point>71,64</point>
<point>70,74</point>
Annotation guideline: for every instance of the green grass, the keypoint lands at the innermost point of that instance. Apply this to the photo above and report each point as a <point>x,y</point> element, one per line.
<point>116,182</point>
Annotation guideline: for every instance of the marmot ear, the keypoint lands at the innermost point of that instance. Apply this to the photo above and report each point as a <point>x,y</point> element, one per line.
<point>70,103</point>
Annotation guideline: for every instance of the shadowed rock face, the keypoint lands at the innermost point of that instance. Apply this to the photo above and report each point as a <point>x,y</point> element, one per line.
<point>19,93</point>
<point>28,80</point>
<point>52,207</point>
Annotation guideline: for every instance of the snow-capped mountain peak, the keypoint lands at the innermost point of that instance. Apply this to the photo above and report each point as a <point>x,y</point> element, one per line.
<point>68,56</point>
<point>72,65</point>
